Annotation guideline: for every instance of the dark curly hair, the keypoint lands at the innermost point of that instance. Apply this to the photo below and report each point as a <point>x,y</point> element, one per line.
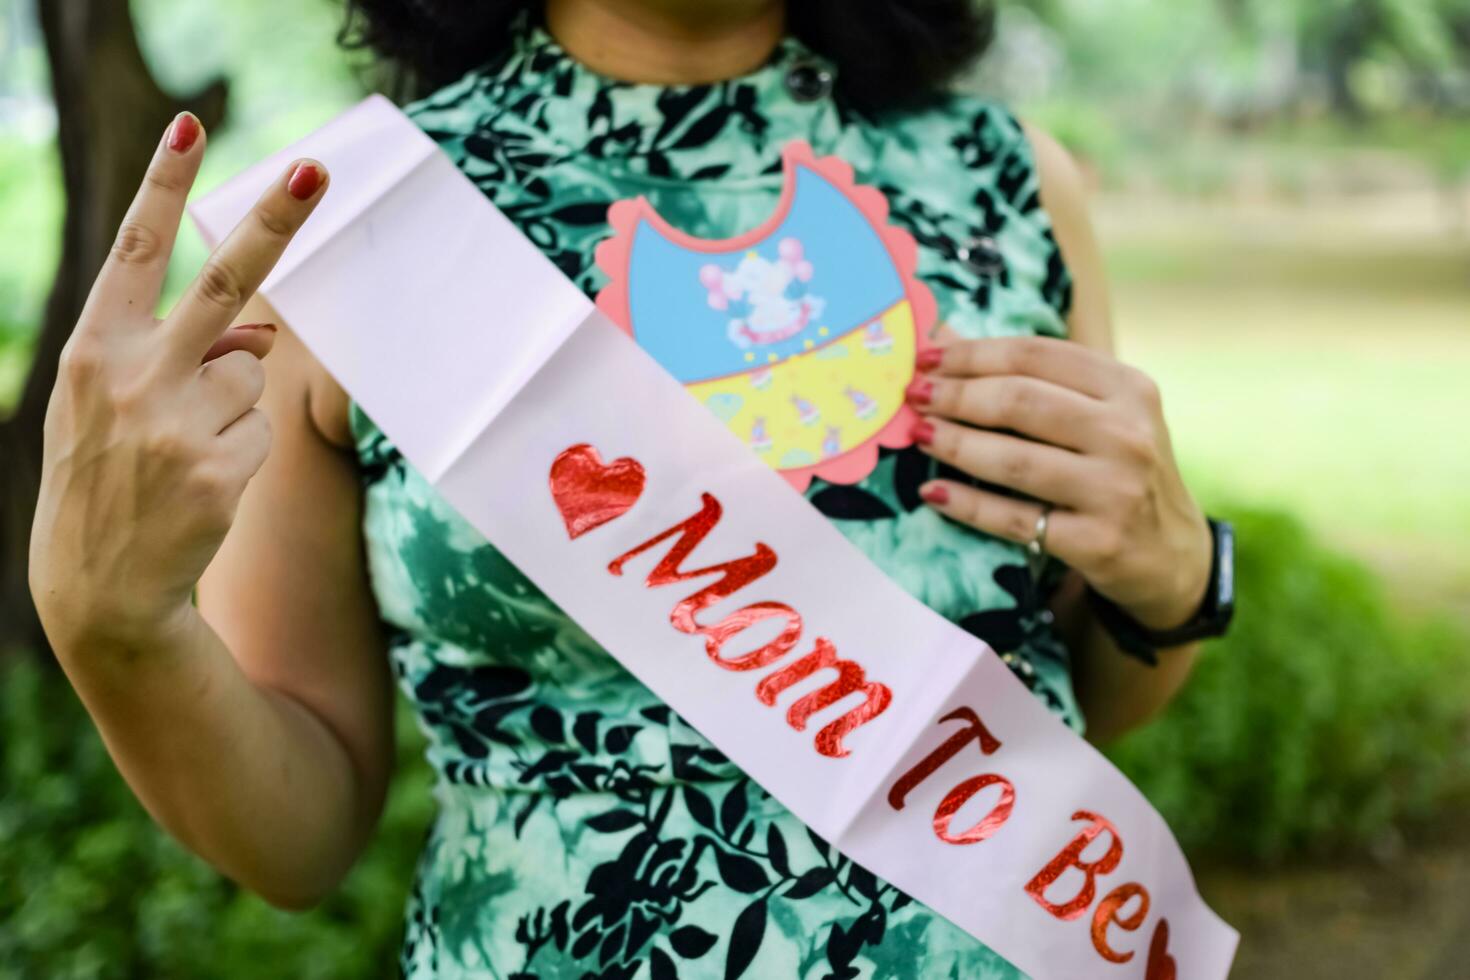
<point>890,54</point>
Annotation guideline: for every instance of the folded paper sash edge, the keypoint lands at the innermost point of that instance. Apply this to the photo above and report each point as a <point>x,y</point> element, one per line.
<point>355,128</point>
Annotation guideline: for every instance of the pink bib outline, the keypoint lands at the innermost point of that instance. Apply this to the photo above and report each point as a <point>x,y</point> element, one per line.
<point>614,254</point>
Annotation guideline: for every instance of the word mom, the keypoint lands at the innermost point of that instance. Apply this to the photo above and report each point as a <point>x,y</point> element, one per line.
<point>733,576</point>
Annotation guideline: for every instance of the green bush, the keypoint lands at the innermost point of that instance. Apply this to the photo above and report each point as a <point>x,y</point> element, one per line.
<point>1324,721</point>
<point>90,888</point>
<point>1321,722</point>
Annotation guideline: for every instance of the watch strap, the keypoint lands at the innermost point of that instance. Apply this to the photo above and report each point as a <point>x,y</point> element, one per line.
<point>1212,618</point>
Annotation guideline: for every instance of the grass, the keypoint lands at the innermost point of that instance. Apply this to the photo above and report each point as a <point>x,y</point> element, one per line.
<point>1313,358</point>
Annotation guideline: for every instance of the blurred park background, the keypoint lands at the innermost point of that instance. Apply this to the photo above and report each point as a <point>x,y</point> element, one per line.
<point>1283,193</point>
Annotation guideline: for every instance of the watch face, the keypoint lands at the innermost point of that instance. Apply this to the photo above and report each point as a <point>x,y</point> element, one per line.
<point>1225,557</point>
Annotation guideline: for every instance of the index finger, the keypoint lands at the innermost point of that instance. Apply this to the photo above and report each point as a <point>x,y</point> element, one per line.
<point>133,273</point>
<point>237,268</point>
<point>1062,362</point>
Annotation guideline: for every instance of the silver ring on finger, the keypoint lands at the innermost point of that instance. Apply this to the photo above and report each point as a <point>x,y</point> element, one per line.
<point>1036,547</point>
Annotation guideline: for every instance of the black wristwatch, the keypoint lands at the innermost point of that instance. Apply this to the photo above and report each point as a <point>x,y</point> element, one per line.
<point>1212,619</point>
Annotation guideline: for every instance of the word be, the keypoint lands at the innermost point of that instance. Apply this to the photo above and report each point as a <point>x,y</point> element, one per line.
<point>1110,911</point>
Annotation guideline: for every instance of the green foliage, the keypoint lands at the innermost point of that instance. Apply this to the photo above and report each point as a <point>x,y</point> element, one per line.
<point>91,889</point>
<point>1156,65</point>
<point>30,201</point>
<point>1321,722</point>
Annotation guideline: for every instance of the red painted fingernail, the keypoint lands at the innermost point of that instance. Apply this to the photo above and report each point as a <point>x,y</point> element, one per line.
<point>929,359</point>
<point>935,493</point>
<point>183,132</point>
<point>924,432</point>
<point>256,326</point>
<point>305,179</point>
<point>921,392</point>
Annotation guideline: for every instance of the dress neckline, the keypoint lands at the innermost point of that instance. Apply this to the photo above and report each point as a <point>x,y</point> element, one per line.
<point>790,96</point>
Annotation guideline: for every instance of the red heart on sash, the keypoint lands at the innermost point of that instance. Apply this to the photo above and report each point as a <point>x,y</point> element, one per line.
<point>1161,965</point>
<point>590,493</point>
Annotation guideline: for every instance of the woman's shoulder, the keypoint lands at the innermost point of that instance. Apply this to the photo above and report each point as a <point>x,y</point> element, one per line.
<point>973,149</point>
<point>1016,167</point>
<point>990,136</point>
<point>976,131</point>
<point>969,173</point>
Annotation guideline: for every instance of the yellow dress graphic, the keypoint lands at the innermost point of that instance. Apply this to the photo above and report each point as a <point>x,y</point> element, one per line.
<point>822,403</point>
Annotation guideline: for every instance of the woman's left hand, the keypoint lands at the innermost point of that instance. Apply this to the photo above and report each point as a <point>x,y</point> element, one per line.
<point>1071,427</point>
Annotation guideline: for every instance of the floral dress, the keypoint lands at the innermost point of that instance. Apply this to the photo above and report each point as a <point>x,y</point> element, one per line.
<point>583,828</point>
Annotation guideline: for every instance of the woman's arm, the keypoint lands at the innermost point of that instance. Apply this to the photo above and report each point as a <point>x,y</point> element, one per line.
<point>1064,423</point>
<point>264,744</point>
<point>288,595</point>
<point>1117,692</point>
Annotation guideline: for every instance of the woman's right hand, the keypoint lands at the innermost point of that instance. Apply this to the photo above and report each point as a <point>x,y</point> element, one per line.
<point>152,432</point>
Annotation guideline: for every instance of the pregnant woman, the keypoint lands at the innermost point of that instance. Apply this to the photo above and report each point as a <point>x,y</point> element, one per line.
<point>583,828</point>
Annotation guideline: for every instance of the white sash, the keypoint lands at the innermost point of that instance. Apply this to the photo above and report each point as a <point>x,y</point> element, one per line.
<point>897,736</point>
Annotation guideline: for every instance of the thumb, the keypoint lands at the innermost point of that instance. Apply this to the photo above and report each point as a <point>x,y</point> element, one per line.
<point>257,338</point>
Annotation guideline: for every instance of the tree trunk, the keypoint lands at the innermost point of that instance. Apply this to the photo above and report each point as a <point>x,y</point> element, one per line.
<point>110,115</point>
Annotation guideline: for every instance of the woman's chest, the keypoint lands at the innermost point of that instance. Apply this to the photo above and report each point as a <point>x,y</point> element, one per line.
<point>980,246</point>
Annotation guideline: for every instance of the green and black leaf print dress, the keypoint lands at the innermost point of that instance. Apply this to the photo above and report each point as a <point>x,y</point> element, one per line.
<point>584,829</point>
